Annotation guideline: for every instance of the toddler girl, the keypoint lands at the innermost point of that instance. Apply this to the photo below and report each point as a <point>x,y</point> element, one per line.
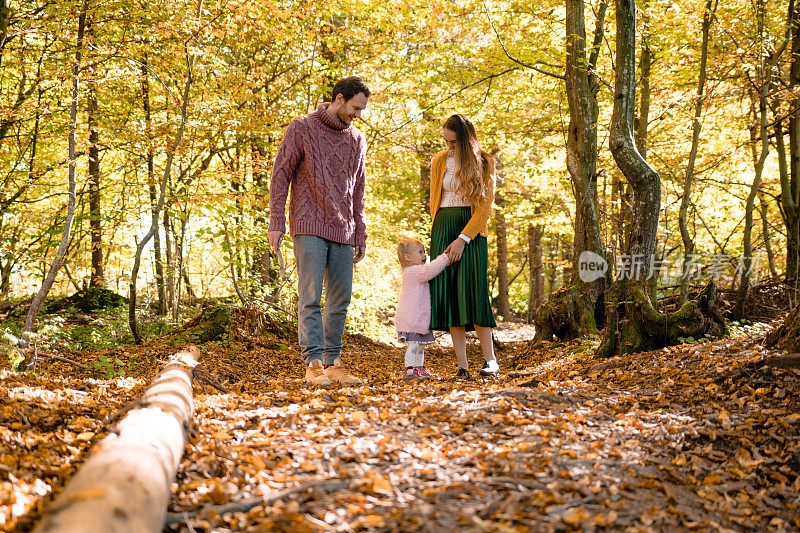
<point>413,317</point>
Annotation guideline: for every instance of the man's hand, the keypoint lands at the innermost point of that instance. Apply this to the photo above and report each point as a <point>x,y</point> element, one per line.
<point>275,238</point>
<point>360,252</point>
<point>456,249</point>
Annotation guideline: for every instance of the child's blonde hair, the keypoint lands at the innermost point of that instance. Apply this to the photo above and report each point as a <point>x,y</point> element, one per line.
<point>404,247</point>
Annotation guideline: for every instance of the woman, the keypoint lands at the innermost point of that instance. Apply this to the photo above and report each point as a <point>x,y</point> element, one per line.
<point>462,193</point>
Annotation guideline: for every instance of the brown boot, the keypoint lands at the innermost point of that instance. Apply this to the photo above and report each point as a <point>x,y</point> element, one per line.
<point>316,375</point>
<point>337,373</point>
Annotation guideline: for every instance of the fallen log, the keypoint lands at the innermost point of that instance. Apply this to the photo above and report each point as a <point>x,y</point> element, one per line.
<point>124,485</point>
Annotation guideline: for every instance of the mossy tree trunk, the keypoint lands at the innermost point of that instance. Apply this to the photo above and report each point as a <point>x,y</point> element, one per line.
<point>632,322</point>
<point>787,335</point>
<point>571,312</point>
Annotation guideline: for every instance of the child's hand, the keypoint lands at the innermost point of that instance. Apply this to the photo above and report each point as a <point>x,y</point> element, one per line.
<point>456,249</point>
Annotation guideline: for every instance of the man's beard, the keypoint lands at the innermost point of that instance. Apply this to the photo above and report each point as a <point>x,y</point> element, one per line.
<point>344,118</point>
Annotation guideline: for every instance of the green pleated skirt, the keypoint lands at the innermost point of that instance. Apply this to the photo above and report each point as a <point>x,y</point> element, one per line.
<point>460,295</point>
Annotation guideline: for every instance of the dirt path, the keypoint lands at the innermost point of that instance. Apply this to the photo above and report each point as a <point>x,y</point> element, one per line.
<point>697,437</point>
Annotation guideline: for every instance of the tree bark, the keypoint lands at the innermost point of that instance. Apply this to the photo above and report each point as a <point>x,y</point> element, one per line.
<point>645,62</point>
<point>151,182</point>
<point>632,322</point>
<point>758,135</point>
<point>536,290</point>
<point>169,259</point>
<point>97,278</point>
<point>503,302</point>
<point>642,121</point>
<point>154,219</point>
<point>688,242</point>
<point>261,251</point>
<point>787,335</point>
<point>745,265</point>
<point>790,187</point>
<point>124,486</point>
<point>574,311</point>
<point>765,235</point>
<point>49,279</point>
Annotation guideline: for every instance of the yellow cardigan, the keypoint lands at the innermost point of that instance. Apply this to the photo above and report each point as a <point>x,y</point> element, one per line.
<point>480,215</point>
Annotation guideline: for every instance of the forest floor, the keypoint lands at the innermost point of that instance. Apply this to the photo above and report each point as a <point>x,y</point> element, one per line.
<point>700,437</point>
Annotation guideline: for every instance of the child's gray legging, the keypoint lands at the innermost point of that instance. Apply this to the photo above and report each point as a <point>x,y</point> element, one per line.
<point>415,354</point>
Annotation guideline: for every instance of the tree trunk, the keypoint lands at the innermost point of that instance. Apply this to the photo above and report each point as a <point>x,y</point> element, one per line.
<point>746,264</point>
<point>261,251</point>
<point>790,186</point>
<point>688,242</point>
<point>190,294</point>
<point>503,303</point>
<point>154,220</point>
<point>97,278</point>
<point>124,486</point>
<point>178,268</point>
<point>765,235</point>
<point>552,270</point>
<point>7,265</point>
<point>49,279</point>
<point>645,62</point>
<point>574,312</point>
<point>632,322</point>
<point>536,291</point>
<point>787,335</point>
<point>151,182</point>
<point>5,15</point>
<point>169,264</point>
<point>758,133</point>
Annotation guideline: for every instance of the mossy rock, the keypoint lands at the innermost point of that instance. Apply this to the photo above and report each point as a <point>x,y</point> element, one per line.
<point>239,324</point>
<point>87,301</point>
<point>212,324</point>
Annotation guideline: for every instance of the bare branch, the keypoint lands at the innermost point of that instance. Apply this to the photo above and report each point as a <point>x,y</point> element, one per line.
<point>514,59</point>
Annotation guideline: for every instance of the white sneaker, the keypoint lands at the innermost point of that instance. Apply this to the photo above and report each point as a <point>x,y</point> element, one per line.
<point>490,368</point>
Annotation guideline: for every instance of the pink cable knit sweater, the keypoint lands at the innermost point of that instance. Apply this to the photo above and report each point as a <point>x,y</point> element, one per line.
<point>414,301</point>
<point>323,160</point>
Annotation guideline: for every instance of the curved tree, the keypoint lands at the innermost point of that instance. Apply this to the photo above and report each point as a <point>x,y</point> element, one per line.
<point>632,322</point>
<point>58,260</point>
<point>573,311</point>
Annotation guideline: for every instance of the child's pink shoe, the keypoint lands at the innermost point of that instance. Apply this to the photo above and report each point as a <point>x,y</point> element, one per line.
<point>424,371</point>
<point>414,373</point>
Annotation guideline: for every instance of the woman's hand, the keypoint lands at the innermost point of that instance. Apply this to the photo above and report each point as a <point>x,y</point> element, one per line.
<point>455,250</point>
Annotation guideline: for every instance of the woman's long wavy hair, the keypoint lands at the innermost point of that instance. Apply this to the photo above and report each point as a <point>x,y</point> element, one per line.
<point>471,161</point>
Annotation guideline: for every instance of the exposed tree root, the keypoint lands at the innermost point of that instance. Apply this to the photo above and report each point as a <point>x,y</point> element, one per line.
<point>634,325</point>
<point>787,335</point>
<point>568,314</point>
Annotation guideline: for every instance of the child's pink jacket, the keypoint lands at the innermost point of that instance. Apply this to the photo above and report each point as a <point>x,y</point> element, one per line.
<point>414,301</point>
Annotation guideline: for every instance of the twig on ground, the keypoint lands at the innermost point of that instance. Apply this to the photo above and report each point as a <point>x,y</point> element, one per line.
<point>208,379</point>
<point>242,506</point>
<point>55,357</point>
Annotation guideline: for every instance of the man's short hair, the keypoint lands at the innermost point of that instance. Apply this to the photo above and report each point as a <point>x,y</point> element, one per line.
<point>349,87</point>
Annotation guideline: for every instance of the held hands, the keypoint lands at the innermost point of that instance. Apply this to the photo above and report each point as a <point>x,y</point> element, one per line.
<point>455,250</point>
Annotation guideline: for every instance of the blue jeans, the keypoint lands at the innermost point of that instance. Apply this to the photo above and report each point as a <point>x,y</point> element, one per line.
<point>322,262</point>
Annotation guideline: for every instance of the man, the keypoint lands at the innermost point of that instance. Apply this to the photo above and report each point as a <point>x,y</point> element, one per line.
<point>322,157</point>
